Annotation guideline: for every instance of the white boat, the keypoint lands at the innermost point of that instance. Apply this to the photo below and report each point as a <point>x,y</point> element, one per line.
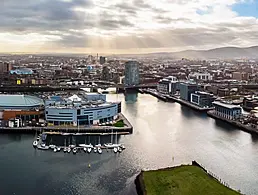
<point>117,145</point>
<point>122,147</point>
<point>52,146</point>
<point>99,150</point>
<point>35,143</point>
<point>65,149</point>
<point>55,149</point>
<point>82,145</point>
<point>109,145</point>
<point>115,150</point>
<point>68,149</point>
<point>120,150</point>
<point>98,145</point>
<point>95,149</point>
<point>75,150</point>
<point>85,149</point>
<point>89,150</point>
<point>72,146</point>
<point>40,147</point>
<point>58,149</point>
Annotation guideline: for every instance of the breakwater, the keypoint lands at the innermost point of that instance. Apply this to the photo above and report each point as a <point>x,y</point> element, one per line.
<point>238,124</point>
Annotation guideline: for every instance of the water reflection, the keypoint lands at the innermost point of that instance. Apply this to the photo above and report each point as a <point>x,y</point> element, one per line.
<point>188,113</point>
<point>61,140</point>
<point>131,97</point>
<point>225,126</point>
<point>254,137</point>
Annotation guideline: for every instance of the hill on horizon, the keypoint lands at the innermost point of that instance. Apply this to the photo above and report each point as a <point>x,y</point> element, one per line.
<point>217,53</point>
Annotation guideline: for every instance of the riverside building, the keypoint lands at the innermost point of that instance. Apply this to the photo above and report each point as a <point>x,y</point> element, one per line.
<point>202,99</point>
<point>132,73</point>
<point>227,111</point>
<point>81,109</point>
<point>168,85</point>
<point>186,89</point>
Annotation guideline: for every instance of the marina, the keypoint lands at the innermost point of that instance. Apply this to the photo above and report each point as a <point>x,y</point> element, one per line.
<point>73,142</point>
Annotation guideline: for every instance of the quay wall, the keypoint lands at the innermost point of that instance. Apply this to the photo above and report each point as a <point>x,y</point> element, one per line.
<point>246,128</point>
<point>175,99</point>
<point>141,189</point>
<point>128,129</point>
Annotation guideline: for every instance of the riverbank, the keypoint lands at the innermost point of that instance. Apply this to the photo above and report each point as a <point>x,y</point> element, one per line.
<point>181,180</point>
<point>238,124</point>
<point>169,98</point>
<point>95,130</point>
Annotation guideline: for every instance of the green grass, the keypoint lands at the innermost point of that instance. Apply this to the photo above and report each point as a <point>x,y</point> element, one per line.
<point>183,180</point>
<point>119,123</point>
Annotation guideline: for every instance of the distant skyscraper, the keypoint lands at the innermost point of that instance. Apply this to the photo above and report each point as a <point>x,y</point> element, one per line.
<point>5,67</point>
<point>105,73</point>
<point>102,60</point>
<point>132,73</point>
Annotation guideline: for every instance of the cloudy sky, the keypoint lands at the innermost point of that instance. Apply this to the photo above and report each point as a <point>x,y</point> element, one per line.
<point>126,26</point>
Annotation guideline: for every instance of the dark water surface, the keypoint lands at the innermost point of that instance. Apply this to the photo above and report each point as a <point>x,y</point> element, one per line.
<point>162,132</point>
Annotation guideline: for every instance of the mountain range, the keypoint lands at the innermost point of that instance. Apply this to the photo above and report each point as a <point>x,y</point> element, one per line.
<point>217,53</point>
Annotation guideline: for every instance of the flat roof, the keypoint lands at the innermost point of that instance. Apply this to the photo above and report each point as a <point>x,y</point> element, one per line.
<point>19,101</point>
<point>230,106</point>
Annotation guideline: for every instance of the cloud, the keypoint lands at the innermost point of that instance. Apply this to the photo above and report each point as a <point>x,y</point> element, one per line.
<point>120,26</point>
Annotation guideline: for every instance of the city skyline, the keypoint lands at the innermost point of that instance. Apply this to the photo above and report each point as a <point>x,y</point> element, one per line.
<point>116,27</point>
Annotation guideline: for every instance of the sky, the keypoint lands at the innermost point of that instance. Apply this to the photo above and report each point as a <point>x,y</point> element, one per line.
<point>119,26</point>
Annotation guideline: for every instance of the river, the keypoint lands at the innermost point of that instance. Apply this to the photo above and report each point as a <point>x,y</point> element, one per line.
<point>165,134</point>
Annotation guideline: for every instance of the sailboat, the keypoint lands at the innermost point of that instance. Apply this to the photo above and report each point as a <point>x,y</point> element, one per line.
<point>75,150</point>
<point>65,149</point>
<point>99,144</point>
<point>117,144</point>
<point>35,142</point>
<point>110,145</point>
<point>51,145</point>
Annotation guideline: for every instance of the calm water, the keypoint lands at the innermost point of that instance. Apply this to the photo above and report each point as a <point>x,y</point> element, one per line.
<point>161,131</point>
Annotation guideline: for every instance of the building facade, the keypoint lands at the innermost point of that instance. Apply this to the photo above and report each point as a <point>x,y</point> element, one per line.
<point>202,99</point>
<point>227,111</point>
<point>83,110</point>
<point>102,60</point>
<point>250,103</point>
<point>5,67</point>
<point>186,89</point>
<point>200,76</point>
<point>167,85</point>
<point>132,73</point>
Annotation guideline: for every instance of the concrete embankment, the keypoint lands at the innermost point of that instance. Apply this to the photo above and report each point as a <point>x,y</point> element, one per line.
<point>167,98</point>
<point>238,124</point>
<point>127,129</point>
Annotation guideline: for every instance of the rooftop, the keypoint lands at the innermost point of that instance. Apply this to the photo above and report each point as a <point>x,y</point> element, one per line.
<point>230,106</point>
<point>19,101</point>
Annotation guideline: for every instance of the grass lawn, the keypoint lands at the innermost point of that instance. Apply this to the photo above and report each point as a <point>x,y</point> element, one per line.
<point>119,123</point>
<point>183,180</point>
